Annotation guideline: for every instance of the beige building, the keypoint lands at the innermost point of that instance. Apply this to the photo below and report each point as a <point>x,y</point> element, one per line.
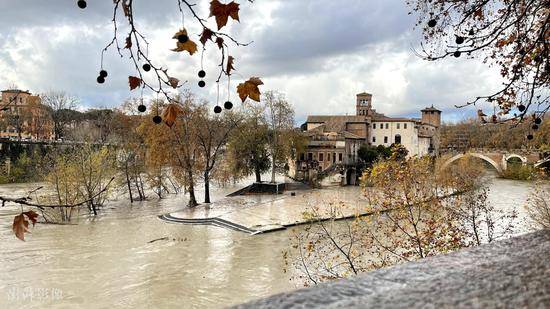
<point>23,116</point>
<point>335,140</point>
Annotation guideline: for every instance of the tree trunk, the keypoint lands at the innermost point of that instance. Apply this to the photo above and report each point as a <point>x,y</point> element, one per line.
<point>273,169</point>
<point>258,174</point>
<point>192,199</point>
<point>128,182</point>
<point>139,185</point>
<point>206,186</point>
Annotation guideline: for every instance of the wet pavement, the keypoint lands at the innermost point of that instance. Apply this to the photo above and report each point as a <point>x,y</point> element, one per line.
<point>265,213</point>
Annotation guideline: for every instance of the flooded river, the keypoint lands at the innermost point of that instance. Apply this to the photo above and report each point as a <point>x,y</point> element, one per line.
<point>108,261</point>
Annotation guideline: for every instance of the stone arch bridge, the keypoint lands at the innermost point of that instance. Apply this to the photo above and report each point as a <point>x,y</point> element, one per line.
<point>500,159</point>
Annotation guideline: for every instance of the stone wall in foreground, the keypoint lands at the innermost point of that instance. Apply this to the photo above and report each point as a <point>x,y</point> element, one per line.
<point>513,273</point>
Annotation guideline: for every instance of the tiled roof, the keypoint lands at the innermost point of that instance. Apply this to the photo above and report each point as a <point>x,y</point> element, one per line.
<point>335,123</point>
<point>392,119</point>
<point>432,108</point>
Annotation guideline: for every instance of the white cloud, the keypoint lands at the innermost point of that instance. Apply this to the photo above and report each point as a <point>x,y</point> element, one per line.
<point>320,53</point>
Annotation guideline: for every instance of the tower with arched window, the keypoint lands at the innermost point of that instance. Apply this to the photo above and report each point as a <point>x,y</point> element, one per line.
<point>364,104</point>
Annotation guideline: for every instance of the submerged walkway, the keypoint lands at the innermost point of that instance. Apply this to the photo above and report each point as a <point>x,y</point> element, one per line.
<point>265,213</point>
<point>513,273</point>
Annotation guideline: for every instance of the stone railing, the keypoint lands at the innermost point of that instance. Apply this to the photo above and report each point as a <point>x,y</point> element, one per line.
<point>513,273</point>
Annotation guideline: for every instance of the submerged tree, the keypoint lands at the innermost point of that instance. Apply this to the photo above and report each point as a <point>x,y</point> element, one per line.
<point>247,147</point>
<point>212,135</point>
<point>78,177</point>
<point>279,116</point>
<point>538,207</point>
<point>415,210</point>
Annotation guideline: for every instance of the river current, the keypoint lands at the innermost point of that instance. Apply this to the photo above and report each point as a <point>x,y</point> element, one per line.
<point>109,261</point>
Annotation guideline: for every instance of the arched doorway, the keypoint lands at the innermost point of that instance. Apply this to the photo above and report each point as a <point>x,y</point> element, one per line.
<point>397,138</point>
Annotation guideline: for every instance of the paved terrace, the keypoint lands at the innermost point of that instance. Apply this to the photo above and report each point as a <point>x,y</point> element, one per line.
<point>513,273</point>
<point>266,213</point>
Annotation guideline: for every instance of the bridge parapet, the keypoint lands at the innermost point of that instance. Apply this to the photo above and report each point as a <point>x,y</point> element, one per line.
<point>520,151</point>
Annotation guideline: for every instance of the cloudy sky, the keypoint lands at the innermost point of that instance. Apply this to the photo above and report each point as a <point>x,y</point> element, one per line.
<point>320,53</point>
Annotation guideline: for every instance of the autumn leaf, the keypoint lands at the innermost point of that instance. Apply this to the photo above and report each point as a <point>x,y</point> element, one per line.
<point>479,13</point>
<point>219,41</point>
<point>230,67</point>
<point>173,82</point>
<point>180,32</point>
<point>223,11</point>
<point>189,46</point>
<point>170,114</point>
<point>134,82</point>
<point>128,42</point>
<point>206,35</point>
<point>32,216</point>
<point>126,7</point>
<point>250,89</point>
<point>20,224</point>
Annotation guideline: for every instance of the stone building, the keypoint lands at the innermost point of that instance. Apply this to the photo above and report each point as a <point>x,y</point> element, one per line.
<point>23,116</point>
<point>334,140</point>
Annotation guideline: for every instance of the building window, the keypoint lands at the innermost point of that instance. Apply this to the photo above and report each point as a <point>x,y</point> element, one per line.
<point>398,125</point>
<point>385,139</point>
<point>309,156</point>
<point>374,139</point>
<point>302,156</point>
<point>321,157</point>
<point>340,157</point>
<point>387,126</point>
<point>397,139</point>
<point>374,125</point>
<point>328,157</point>
<point>405,126</point>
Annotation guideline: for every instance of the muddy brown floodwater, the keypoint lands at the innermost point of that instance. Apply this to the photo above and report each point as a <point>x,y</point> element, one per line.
<point>109,262</point>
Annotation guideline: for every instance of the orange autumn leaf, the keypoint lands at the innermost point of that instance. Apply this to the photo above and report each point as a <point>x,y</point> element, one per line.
<point>32,216</point>
<point>20,224</point>
<point>180,32</point>
<point>206,35</point>
<point>188,46</point>
<point>250,89</point>
<point>230,67</point>
<point>223,11</point>
<point>134,82</point>
<point>170,114</point>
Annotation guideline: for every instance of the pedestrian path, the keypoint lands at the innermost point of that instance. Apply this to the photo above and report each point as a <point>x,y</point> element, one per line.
<point>266,213</point>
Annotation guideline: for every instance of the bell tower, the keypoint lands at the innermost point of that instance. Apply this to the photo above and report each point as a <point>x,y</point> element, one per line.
<point>432,116</point>
<point>364,104</point>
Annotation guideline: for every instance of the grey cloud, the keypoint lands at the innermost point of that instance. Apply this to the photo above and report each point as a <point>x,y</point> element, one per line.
<point>304,33</point>
<point>320,52</point>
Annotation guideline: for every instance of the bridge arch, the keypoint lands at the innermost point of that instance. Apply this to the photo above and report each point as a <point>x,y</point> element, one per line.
<point>513,155</point>
<point>510,156</point>
<point>473,154</point>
